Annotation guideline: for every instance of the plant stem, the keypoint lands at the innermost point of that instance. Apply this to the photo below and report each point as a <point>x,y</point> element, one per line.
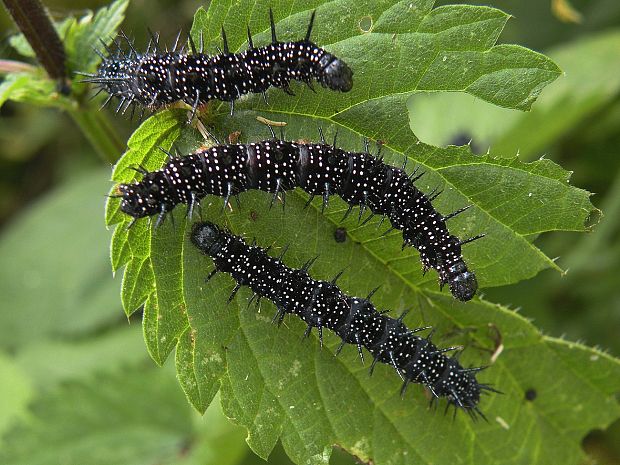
<point>34,22</point>
<point>100,133</point>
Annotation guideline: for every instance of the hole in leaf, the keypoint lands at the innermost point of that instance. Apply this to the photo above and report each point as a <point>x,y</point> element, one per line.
<point>365,24</point>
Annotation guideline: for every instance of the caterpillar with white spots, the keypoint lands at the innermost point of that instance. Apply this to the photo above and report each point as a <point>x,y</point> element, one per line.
<point>156,79</point>
<point>277,166</point>
<point>321,304</point>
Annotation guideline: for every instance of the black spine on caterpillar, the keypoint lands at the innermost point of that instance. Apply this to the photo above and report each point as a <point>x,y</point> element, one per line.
<point>319,169</point>
<point>355,320</point>
<point>156,79</point>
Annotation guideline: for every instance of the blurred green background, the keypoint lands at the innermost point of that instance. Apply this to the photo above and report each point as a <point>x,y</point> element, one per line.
<point>73,370</point>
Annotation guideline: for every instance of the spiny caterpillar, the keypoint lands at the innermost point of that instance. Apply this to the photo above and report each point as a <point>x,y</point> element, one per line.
<point>156,79</point>
<point>355,320</point>
<point>276,166</point>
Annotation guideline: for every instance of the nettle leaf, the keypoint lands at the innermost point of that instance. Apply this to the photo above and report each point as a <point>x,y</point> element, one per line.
<point>21,45</point>
<point>89,32</point>
<point>592,68</point>
<point>15,394</point>
<point>51,362</point>
<point>31,87</point>
<point>279,387</point>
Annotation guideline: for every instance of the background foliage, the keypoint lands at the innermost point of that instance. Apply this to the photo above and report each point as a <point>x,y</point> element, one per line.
<point>60,351</point>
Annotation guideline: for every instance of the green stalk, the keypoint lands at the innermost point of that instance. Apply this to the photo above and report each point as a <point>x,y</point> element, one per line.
<point>99,131</point>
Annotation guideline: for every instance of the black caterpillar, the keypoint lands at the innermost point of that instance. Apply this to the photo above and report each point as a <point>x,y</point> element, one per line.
<point>319,169</point>
<point>156,79</point>
<point>355,320</point>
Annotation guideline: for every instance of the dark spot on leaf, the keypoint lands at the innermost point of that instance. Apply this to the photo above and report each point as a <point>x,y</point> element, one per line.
<point>530,394</point>
<point>340,235</point>
<point>253,215</point>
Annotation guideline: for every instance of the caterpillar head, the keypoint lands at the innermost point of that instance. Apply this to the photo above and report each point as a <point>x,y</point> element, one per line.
<point>463,283</point>
<point>463,389</point>
<point>114,77</point>
<point>336,74</point>
<point>143,198</point>
<point>206,237</point>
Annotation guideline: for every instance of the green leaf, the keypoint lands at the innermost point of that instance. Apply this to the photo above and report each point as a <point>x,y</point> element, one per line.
<point>21,45</point>
<point>58,280</point>
<point>113,418</point>
<point>89,32</point>
<point>591,81</point>
<point>49,363</point>
<point>15,393</point>
<point>134,417</point>
<point>61,379</point>
<point>280,388</point>
<point>34,88</point>
<point>12,84</point>
<point>219,442</point>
